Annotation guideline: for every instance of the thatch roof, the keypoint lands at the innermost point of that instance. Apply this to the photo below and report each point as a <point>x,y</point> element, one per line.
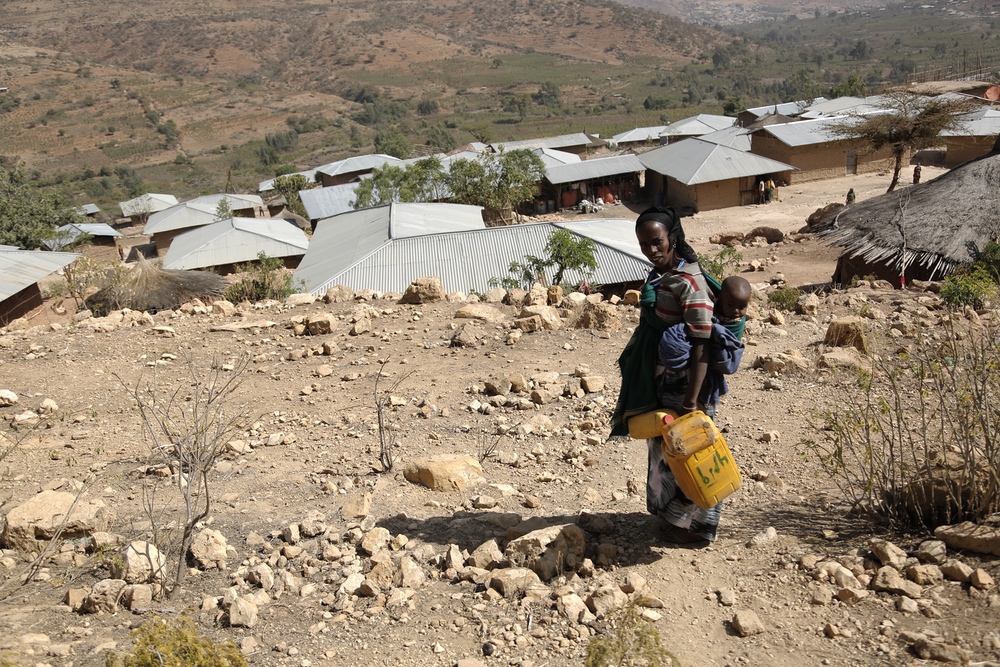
<point>148,287</point>
<point>936,225</point>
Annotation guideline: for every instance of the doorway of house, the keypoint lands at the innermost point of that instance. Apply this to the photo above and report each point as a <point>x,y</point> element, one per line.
<point>852,162</point>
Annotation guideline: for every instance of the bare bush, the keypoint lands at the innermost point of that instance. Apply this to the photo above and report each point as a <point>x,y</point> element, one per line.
<point>186,430</point>
<point>916,442</point>
<point>387,434</point>
<point>487,443</point>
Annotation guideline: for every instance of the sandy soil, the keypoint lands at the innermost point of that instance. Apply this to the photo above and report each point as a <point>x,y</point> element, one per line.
<point>556,462</point>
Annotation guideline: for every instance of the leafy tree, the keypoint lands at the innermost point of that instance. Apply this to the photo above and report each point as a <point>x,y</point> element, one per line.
<point>393,142</point>
<point>424,180</point>
<point>427,107</point>
<point>498,182</point>
<point>853,87</point>
<point>289,187</point>
<point>908,122</point>
<point>439,137</point>
<point>548,95</point>
<point>28,216</point>
<point>733,106</point>
<point>516,104</point>
<point>564,250</point>
<point>223,211</point>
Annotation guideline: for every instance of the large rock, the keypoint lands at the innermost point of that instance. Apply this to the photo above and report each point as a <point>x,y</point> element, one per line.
<point>39,517</point>
<point>467,335</point>
<point>771,234</point>
<point>480,311</point>
<point>600,317</point>
<point>512,582</point>
<point>339,294</point>
<point>889,580</point>
<point>104,597</point>
<point>550,551</point>
<point>970,537</point>
<point>321,323</point>
<point>548,315</point>
<point>424,290</point>
<point>243,613</point>
<point>208,549</point>
<point>487,556</point>
<point>847,332</point>
<point>808,304</point>
<point>445,474</point>
<point>7,398</point>
<point>303,299</point>
<point>842,357</point>
<point>139,563</point>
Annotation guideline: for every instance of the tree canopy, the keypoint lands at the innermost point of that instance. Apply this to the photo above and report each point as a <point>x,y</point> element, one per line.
<point>27,215</point>
<point>498,182</point>
<point>907,122</point>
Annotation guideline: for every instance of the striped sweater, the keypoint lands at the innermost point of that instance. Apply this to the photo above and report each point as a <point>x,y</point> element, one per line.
<point>682,295</point>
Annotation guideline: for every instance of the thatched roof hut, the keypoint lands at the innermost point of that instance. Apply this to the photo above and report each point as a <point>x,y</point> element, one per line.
<point>923,232</point>
<point>148,287</point>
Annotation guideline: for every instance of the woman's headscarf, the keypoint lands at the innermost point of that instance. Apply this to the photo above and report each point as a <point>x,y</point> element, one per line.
<point>675,232</point>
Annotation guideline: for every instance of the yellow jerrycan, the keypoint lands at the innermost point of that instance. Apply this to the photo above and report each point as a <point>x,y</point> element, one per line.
<point>696,452</point>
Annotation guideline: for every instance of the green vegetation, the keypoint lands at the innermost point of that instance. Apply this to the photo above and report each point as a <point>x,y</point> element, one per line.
<point>722,264</point>
<point>27,215</point>
<point>564,250</point>
<point>632,641</point>
<point>264,279</point>
<point>784,298</point>
<point>289,187</point>
<point>499,182</point>
<point>162,643</point>
<point>975,285</point>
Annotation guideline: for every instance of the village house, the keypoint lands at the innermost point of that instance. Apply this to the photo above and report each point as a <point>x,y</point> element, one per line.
<point>973,137</point>
<point>139,209</point>
<point>350,170</point>
<point>221,245</point>
<point>816,151</point>
<point>164,225</point>
<point>579,143</point>
<point>20,271</point>
<point>698,175</point>
<point>694,126</point>
<point>609,179</point>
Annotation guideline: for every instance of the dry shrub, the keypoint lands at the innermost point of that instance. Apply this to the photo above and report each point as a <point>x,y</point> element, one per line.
<point>632,642</point>
<point>916,442</point>
<point>160,643</point>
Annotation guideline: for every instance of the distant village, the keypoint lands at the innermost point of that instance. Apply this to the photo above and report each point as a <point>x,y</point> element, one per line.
<point>696,164</point>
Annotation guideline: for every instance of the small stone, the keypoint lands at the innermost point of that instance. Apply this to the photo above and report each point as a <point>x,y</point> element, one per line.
<point>888,553</point>
<point>763,537</point>
<point>907,605</point>
<point>956,570</point>
<point>747,623</point>
<point>982,580</point>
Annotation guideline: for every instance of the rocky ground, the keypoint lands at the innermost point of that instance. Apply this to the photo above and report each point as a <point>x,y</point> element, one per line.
<point>313,556</point>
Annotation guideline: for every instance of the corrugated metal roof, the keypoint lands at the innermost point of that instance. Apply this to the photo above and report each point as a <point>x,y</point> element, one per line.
<point>147,203</point>
<point>599,168</point>
<point>617,234</point>
<point>22,268</point>
<point>703,123</point>
<point>834,107</point>
<point>694,160</point>
<point>66,234</point>
<point>551,157</point>
<point>87,209</point>
<point>734,137</point>
<point>264,186</point>
<point>983,122</point>
<point>468,260</point>
<point>562,141</point>
<point>787,108</point>
<point>235,240</point>
<point>640,134</point>
<point>328,201</point>
<point>806,132</point>
<point>357,163</point>
<point>342,240</point>
<point>236,202</point>
<point>181,216</point>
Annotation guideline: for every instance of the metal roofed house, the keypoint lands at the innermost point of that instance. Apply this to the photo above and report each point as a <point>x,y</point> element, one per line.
<point>353,168</point>
<point>749,116</point>
<point>223,244</point>
<point>140,208</point>
<point>638,137</point>
<point>343,240</point>
<point>467,260</point>
<point>67,234</point>
<point>610,178</point>
<point>973,137</point>
<point>88,210</point>
<point>695,126</point>
<point>551,157</point>
<point>164,225</point>
<point>578,142</point>
<point>734,137</point>
<point>20,271</point>
<point>329,201</point>
<point>697,175</point>
<point>812,147</point>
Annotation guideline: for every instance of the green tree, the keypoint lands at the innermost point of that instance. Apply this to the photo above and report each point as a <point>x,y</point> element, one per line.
<point>424,180</point>
<point>907,123</point>
<point>289,187</point>
<point>564,251</point>
<point>499,182</point>
<point>548,95</point>
<point>853,87</point>
<point>439,137</point>
<point>27,215</point>
<point>223,211</point>
<point>393,142</point>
